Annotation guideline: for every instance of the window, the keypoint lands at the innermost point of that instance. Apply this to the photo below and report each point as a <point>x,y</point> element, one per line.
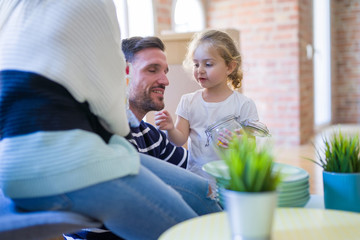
<point>322,64</point>
<point>135,20</point>
<point>189,16</point>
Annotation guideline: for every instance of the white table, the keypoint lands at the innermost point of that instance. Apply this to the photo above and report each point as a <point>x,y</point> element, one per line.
<point>310,222</point>
<point>289,223</point>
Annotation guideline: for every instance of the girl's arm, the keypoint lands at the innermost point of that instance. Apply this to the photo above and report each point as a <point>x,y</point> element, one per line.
<point>177,134</point>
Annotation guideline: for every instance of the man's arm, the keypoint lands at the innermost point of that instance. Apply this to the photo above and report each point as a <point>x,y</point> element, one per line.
<point>149,140</point>
<point>173,154</point>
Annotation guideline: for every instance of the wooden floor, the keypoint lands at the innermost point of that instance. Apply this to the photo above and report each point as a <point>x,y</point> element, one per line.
<point>296,156</point>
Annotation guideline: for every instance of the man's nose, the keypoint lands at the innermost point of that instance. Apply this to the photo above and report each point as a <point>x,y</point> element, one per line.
<point>164,80</point>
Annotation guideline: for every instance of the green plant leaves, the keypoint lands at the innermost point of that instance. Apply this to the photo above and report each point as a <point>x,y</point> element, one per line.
<point>250,168</point>
<point>340,154</point>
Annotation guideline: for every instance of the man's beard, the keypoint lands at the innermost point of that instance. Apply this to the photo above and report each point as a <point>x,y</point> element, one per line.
<point>147,104</point>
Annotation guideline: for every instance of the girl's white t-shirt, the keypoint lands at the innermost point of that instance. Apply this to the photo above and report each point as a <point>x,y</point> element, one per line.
<point>201,115</point>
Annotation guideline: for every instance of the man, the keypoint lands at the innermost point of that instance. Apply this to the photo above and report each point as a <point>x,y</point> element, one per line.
<point>146,93</point>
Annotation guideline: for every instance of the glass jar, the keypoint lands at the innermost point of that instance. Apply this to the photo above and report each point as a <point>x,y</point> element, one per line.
<point>213,131</point>
<point>232,123</point>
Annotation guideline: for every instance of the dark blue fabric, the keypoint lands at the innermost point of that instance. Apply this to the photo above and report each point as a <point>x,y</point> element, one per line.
<point>163,150</point>
<point>88,235</point>
<point>30,102</point>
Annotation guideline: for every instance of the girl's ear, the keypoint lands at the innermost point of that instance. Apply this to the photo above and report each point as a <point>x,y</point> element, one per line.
<point>231,67</point>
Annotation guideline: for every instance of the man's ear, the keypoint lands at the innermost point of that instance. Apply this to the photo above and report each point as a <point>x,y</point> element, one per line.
<point>231,67</point>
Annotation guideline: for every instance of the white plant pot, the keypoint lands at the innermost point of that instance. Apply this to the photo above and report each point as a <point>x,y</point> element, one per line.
<point>250,214</point>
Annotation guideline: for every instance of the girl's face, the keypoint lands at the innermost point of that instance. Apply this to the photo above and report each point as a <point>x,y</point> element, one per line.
<point>209,67</point>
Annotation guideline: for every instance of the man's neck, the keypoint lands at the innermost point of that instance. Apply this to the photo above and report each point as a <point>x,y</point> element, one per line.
<point>138,114</point>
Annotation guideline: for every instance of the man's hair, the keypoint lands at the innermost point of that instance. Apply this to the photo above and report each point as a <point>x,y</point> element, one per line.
<point>130,46</point>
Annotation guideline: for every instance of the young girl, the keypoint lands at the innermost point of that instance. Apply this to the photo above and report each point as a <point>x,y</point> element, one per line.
<point>216,64</point>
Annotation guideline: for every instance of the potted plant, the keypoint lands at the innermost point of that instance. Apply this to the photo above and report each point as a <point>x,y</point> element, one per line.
<point>249,195</point>
<point>341,172</point>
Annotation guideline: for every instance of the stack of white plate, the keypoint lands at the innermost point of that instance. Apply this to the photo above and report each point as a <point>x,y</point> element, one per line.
<point>293,191</point>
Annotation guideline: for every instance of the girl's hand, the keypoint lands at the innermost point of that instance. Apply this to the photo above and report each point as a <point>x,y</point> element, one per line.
<point>225,137</point>
<point>163,120</point>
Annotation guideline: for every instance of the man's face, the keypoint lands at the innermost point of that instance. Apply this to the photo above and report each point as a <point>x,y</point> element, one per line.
<point>148,80</point>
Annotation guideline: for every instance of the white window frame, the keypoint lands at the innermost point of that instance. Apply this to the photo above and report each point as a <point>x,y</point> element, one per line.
<point>132,21</point>
<point>189,16</point>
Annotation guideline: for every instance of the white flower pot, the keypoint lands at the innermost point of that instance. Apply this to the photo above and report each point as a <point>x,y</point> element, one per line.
<point>250,214</point>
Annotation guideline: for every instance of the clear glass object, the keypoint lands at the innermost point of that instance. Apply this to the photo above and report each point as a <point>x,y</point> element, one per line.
<point>232,123</point>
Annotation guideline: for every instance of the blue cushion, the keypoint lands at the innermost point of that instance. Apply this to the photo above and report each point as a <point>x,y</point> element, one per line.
<point>18,225</point>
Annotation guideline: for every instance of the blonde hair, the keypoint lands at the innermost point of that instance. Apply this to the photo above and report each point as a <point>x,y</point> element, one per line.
<point>225,46</point>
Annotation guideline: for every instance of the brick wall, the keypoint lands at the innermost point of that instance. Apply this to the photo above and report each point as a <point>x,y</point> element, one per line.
<point>163,12</point>
<point>306,72</point>
<point>333,63</point>
<point>346,61</point>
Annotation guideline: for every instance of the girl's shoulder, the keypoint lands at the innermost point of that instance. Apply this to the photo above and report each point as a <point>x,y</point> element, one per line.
<point>241,97</point>
<point>193,96</point>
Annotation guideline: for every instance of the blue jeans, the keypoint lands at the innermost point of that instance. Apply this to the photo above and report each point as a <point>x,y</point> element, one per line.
<point>138,206</point>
